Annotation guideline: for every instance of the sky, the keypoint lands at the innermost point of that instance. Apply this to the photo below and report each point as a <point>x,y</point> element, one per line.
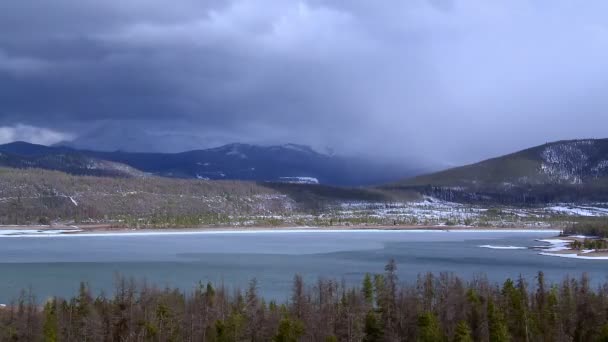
<point>448,81</point>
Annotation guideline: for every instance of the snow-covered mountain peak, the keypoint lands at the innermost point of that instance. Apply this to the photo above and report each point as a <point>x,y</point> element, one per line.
<point>298,148</point>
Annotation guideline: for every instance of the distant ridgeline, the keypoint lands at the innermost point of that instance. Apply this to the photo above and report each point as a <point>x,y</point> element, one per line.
<point>563,171</point>
<point>284,163</point>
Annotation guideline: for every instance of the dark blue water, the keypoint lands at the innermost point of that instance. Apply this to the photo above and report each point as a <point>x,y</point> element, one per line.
<point>56,265</point>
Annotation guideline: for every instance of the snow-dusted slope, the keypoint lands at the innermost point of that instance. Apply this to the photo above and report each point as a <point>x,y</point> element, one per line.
<point>539,171</point>
<point>575,162</point>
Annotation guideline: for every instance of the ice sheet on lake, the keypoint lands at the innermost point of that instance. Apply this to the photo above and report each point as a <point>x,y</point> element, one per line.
<point>35,232</point>
<point>575,256</point>
<point>502,247</point>
<point>555,245</point>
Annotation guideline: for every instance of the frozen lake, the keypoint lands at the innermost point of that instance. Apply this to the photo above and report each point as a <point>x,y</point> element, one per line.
<point>54,265</point>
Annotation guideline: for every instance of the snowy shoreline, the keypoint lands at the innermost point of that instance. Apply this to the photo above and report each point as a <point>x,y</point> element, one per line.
<point>561,248</point>
<point>558,247</point>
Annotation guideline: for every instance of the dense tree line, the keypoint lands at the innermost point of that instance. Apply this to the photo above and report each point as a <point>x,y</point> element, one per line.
<point>593,226</point>
<point>434,308</point>
<point>590,244</point>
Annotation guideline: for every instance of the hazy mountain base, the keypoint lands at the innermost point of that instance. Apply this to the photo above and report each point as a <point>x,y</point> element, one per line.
<point>33,196</point>
<point>285,163</point>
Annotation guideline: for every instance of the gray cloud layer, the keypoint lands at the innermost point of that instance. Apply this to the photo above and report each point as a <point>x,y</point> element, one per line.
<point>454,80</point>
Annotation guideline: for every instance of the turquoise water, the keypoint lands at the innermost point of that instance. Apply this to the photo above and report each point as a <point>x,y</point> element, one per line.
<point>54,265</point>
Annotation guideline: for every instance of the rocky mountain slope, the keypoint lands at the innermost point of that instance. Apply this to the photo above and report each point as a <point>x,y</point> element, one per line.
<point>288,163</point>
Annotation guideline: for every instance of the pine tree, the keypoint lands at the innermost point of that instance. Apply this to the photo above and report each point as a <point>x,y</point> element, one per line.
<point>463,333</point>
<point>50,321</point>
<point>368,289</point>
<point>516,309</point>
<point>298,296</point>
<point>379,289</point>
<point>221,334</point>
<point>289,331</point>
<point>372,329</point>
<point>552,314</point>
<point>83,308</point>
<point>428,328</point>
<point>474,316</point>
<point>496,324</point>
<point>234,326</point>
<point>389,299</point>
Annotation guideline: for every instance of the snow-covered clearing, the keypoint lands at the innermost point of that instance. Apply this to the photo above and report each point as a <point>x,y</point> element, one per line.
<point>432,211</point>
<point>573,210</point>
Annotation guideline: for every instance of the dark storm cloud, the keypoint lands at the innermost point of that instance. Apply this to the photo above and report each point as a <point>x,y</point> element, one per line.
<point>455,80</point>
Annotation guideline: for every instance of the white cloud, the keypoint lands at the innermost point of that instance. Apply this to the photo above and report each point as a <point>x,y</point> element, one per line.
<point>31,134</point>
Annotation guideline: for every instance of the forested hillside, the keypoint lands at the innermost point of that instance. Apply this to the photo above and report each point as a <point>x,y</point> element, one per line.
<point>33,196</point>
<point>29,196</point>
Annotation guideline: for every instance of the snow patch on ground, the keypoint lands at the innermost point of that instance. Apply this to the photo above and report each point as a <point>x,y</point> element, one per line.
<point>430,211</point>
<point>572,210</point>
<point>299,180</point>
<point>600,167</point>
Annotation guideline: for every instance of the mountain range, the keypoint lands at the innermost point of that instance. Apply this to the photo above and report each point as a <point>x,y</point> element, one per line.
<point>568,171</point>
<point>289,163</point>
